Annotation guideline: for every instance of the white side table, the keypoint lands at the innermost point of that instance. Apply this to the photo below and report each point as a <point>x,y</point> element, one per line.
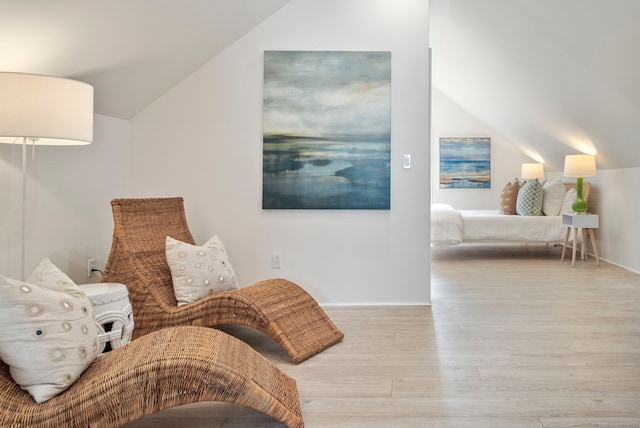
<point>113,312</point>
<point>587,223</point>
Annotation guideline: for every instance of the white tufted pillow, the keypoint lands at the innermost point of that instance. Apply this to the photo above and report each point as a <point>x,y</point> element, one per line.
<point>49,335</point>
<point>529,201</point>
<point>567,201</point>
<point>553,195</point>
<point>197,271</point>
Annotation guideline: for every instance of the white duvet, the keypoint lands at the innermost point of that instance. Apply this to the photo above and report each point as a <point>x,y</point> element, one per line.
<point>450,227</point>
<point>446,225</point>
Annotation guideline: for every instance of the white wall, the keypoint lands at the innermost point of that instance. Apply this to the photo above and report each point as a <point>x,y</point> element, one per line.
<point>203,141</point>
<point>450,120</point>
<point>618,205</point>
<point>68,192</point>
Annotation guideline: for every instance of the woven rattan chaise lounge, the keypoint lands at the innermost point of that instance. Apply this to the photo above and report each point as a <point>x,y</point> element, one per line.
<point>164,369</point>
<point>277,307</point>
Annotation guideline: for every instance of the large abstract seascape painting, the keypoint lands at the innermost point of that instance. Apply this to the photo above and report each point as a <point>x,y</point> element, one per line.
<point>326,130</point>
<point>465,163</point>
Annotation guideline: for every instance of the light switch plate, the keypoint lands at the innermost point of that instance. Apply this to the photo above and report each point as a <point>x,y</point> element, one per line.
<point>406,161</point>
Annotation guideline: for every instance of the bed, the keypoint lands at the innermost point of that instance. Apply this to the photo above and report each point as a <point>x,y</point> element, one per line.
<point>450,226</point>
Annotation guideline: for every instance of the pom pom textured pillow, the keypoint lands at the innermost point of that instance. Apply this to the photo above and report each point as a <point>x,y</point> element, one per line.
<point>508,198</point>
<point>49,335</point>
<point>529,201</point>
<point>197,271</point>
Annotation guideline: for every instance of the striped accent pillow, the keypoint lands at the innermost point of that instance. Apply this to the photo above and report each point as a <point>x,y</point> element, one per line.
<point>508,198</point>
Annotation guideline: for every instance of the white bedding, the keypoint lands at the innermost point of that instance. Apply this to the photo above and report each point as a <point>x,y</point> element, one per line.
<point>450,227</point>
<point>446,225</point>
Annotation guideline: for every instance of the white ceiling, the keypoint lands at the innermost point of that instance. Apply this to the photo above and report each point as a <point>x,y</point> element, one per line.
<point>555,77</point>
<point>131,51</point>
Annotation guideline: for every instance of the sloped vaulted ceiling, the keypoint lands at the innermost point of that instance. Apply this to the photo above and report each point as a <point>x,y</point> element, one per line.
<point>131,51</point>
<point>555,77</point>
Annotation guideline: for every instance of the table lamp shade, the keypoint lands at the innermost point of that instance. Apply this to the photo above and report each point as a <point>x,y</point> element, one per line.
<point>532,170</point>
<point>45,110</point>
<point>579,166</point>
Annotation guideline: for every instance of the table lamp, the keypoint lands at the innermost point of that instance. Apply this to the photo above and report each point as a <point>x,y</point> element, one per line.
<point>579,166</point>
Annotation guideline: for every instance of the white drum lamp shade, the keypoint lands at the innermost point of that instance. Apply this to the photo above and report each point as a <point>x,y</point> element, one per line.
<point>579,166</point>
<point>45,110</point>
<point>532,170</point>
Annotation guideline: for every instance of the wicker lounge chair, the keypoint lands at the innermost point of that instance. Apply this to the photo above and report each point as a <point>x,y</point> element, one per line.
<point>277,307</point>
<point>168,368</point>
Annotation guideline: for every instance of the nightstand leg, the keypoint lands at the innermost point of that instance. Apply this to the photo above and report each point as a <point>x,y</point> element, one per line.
<point>585,254</point>
<point>575,244</point>
<point>566,241</point>
<point>595,247</point>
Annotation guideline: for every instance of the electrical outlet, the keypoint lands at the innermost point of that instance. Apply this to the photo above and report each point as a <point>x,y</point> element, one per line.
<point>276,260</point>
<point>91,265</point>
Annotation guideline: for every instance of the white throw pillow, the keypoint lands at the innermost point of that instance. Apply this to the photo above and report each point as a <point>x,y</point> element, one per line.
<point>553,196</point>
<point>49,335</point>
<point>567,201</point>
<point>197,271</point>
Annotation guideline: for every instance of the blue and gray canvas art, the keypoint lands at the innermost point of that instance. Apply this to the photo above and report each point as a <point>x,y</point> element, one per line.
<point>465,163</point>
<point>326,130</point>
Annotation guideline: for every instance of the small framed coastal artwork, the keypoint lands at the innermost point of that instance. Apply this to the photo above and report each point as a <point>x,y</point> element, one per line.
<point>465,163</point>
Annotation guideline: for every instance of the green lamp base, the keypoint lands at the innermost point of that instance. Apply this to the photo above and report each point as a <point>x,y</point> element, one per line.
<point>579,206</point>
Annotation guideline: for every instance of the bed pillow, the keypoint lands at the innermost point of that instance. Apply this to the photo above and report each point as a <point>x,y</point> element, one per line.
<point>553,196</point>
<point>508,198</point>
<point>49,335</point>
<point>197,271</point>
<point>529,201</point>
<point>567,201</point>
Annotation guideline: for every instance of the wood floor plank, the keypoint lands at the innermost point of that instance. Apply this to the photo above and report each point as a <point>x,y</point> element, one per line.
<point>590,422</point>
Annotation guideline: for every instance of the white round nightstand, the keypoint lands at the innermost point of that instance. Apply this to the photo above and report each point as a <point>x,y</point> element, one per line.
<point>113,312</point>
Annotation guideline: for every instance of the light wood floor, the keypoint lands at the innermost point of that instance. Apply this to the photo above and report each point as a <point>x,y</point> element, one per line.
<point>514,338</point>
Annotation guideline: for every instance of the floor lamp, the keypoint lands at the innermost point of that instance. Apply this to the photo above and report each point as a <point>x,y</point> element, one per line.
<point>43,110</point>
